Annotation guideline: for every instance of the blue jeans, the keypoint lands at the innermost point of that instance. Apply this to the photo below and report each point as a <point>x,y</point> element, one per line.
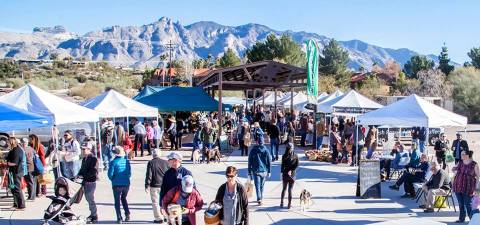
<point>259,180</point>
<point>465,205</point>
<point>319,142</point>
<point>89,188</point>
<point>106,155</point>
<point>120,195</point>
<point>71,169</point>
<point>421,146</point>
<point>303,134</point>
<point>274,145</point>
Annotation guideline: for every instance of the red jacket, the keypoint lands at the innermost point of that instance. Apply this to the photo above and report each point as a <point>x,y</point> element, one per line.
<point>41,154</point>
<point>194,202</point>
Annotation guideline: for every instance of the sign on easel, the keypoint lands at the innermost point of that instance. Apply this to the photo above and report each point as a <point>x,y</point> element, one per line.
<point>369,179</point>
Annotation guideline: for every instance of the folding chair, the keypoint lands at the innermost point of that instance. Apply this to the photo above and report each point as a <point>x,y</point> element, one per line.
<point>419,186</point>
<point>445,198</point>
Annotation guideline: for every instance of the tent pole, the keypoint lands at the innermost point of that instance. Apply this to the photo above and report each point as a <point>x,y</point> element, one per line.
<point>246,102</point>
<point>95,136</point>
<point>356,145</point>
<point>263,97</point>
<point>427,142</point>
<point>59,171</point>
<point>127,126</point>
<point>100,146</point>
<point>275,104</point>
<point>291,101</point>
<point>220,75</point>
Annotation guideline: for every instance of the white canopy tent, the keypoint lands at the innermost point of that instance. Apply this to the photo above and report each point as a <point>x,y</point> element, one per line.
<point>59,110</point>
<point>322,96</point>
<point>331,96</point>
<point>298,98</point>
<point>270,98</point>
<point>413,111</point>
<point>232,100</point>
<point>301,106</point>
<point>112,104</point>
<point>36,100</point>
<point>351,103</point>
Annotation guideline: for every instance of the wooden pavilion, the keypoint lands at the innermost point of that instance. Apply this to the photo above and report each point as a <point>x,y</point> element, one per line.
<point>262,75</point>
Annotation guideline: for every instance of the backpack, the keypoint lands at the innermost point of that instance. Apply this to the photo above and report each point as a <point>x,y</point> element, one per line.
<point>37,165</point>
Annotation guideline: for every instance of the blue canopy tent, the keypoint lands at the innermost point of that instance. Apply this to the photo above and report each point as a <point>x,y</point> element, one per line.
<point>181,99</point>
<point>13,118</point>
<point>148,90</point>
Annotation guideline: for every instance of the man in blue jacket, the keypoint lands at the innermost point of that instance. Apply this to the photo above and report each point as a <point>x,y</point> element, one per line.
<point>173,176</point>
<point>119,172</point>
<point>259,166</point>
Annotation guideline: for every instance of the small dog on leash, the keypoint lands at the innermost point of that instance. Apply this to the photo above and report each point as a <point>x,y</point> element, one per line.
<point>305,199</point>
<point>196,156</point>
<point>214,154</point>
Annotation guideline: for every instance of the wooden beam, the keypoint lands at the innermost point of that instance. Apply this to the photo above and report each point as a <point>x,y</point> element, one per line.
<point>247,73</point>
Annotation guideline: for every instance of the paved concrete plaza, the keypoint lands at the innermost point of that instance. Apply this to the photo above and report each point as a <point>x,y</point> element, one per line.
<point>332,186</point>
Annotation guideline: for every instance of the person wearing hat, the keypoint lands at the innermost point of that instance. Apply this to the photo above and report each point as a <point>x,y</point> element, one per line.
<point>72,156</point>
<point>259,166</point>
<point>89,175</point>
<point>119,172</point>
<point>30,178</point>
<point>187,197</point>
<point>174,175</point>
<point>156,169</point>
<point>172,132</point>
<point>458,146</point>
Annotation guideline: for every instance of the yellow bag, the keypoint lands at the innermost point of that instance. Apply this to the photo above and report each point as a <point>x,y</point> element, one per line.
<point>46,178</point>
<point>439,200</point>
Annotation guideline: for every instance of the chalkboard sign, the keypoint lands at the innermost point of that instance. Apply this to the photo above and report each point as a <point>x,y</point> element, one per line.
<point>369,179</point>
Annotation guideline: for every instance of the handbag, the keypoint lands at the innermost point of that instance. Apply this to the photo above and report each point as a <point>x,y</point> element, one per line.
<point>449,156</point>
<point>46,178</point>
<point>249,188</point>
<point>37,165</point>
<point>11,184</point>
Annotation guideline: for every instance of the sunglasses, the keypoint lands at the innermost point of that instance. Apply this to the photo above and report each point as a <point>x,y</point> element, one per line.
<point>230,176</point>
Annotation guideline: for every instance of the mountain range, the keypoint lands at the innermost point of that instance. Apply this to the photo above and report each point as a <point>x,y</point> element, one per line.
<point>140,46</point>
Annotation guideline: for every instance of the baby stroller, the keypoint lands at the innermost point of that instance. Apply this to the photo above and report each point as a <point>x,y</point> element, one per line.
<point>67,193</point>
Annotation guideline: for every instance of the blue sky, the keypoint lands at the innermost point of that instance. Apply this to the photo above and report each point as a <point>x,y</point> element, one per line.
<point>421,25</point>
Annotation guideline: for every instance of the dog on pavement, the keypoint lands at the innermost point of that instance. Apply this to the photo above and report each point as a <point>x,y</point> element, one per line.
<point>305,199</point>
<point>196,156</point>
<point>213,154</point>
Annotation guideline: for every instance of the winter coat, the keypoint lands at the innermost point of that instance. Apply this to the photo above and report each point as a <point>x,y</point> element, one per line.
<point>119,171</point>
<point>241,212</point>
<point>259,160</point>
<point>193,204</point>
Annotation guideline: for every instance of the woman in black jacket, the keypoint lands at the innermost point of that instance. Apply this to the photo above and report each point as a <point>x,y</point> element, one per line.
<point>288,168</point>
<point>232,194</point>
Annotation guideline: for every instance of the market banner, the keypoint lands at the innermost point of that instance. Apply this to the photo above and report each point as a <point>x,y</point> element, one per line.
<point>312,71</point>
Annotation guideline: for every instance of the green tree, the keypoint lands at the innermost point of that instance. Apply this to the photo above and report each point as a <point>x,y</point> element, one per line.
<point>417,63</point>
<point>333,60</point>
<point>282,49</point>
<point>444,62</point>
<point>474,54</point>
<point>200,63</point>
<point>466,92</point>
<point>229,58</point>
<point>8,68</point>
